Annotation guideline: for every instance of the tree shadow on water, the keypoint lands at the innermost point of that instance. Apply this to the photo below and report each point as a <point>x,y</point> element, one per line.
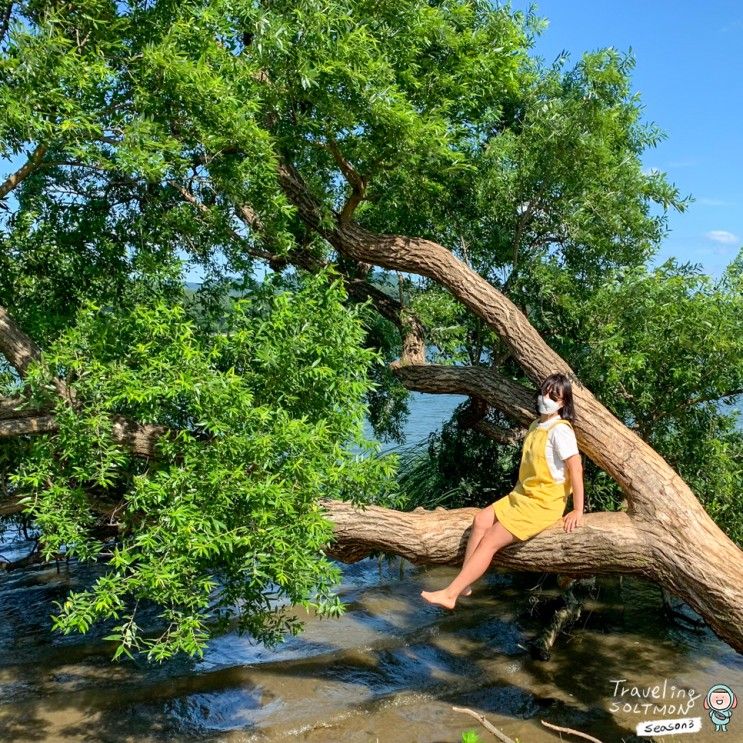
<point>390,646</point>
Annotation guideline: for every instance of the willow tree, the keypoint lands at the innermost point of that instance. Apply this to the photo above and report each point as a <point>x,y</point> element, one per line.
<point>422,191</point>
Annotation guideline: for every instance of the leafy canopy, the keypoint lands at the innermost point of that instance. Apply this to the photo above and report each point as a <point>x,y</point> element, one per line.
<point>267,418</point>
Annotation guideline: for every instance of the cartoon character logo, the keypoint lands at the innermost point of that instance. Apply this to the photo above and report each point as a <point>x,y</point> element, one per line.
<point>720,702</point>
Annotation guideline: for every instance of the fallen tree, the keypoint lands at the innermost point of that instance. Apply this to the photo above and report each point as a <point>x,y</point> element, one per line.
<point>650,540</point>
<point>663,512</point>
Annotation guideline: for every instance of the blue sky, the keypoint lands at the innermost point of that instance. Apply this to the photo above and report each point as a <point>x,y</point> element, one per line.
<point>689,73</point>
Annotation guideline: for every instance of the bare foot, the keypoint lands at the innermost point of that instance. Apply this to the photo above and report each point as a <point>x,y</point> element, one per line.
<point>439,597</point>
<point>467,591</point>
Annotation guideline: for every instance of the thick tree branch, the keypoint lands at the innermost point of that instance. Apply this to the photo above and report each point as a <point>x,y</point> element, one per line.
<point>20,351</point>
<point>606,542</point>
<point>513,399</point>
<point>13,407</point>
<point>473,416</point>
<point>137,438</point>
<point>15,345</point>
<point>15,179</point>
<point>33,425</point>
<point>354,178</point>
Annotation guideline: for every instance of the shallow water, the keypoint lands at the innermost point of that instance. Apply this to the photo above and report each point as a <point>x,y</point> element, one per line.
<point>390,669</point>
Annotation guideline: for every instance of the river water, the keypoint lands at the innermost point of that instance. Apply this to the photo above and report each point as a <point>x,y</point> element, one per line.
<point>391,669</point>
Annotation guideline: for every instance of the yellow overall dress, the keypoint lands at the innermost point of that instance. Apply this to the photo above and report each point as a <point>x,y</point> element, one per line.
<point>537,501</point>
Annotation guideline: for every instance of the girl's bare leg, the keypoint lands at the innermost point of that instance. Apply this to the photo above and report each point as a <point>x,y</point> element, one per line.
<point>484,519</point>
<point>495,537</point>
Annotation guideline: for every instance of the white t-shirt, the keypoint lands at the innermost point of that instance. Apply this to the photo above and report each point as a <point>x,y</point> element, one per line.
<point>561,444</point>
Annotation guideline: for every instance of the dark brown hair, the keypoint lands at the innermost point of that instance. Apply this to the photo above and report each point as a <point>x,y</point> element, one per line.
<point>557,385</point>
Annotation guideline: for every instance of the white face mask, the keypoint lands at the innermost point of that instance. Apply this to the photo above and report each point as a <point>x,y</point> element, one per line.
<point>547,405</point>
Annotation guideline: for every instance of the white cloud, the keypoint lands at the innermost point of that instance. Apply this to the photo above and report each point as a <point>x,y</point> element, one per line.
<point>688,162</point>
<point>733,26</point>
<point>722,236</point>
<point>714,202</point>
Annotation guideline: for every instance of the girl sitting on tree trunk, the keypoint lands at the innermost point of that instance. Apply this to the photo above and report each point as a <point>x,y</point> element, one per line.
<point>550,470</point>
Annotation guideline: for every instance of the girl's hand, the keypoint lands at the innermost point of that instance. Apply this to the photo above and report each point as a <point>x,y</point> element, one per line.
<point>571,520</point>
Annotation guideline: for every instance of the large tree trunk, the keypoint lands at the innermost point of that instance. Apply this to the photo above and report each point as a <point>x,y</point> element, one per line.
<point>604,543</point>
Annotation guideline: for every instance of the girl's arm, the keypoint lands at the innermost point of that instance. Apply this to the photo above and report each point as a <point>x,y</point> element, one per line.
<point>574,466</point>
